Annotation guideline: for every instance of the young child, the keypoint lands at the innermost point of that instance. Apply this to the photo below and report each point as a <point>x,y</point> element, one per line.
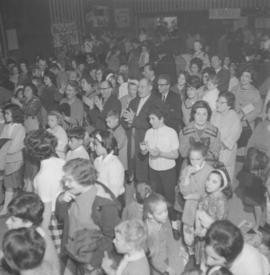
<point>134,210</point>
<point>113,123</point>
<point>192,186</point>
<point>24,250</point>
<point>130,240</point>
<point>166,255</point>
<point>212,93</point>
<point>76,137</point>
<point>213,206</point>
<point>55,128</point>
<point>26,211</point>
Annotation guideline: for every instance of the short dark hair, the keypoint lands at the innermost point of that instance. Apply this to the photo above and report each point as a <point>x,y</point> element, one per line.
<point>226,239</point>
<point>74,84</point>
<point>198,146</point>
<point>194,81</point>
<point>158,112</point>
<point>230,98</point>
<point>23,248</point>
<point>51,76</point>
<point>165,77</point>
<point>198,105</point>
<point>76,132</point>
<point>113,113</point>
<point>197,61</point>
<point>40,144</point>
<point>82,170</point>
<point>28,207</point>
<point>16,112</point>
<point>107,140</point>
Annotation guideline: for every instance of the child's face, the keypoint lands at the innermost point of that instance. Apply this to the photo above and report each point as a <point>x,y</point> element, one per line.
<point>52,121</point>
<point>14,222</point>
<point>74,143</point>
<point>120,244</point>
<point>212,258</point>
<point>160,213</point>
<point>213,183</point>
<point>196,159</point>
<point>112,122</point>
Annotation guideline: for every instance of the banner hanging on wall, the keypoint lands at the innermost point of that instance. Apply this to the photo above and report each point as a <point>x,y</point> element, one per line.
<point>121,17</point>
<point>65,34</point>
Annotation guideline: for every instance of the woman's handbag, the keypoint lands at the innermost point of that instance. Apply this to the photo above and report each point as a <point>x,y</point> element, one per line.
<point>245,135</point>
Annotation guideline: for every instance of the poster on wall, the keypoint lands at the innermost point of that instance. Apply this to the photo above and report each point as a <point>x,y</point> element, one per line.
<point>121,17</point>
<point>12,39</point>
<point>65,34</point>
<point>224,13</point>
<point>98,16</point>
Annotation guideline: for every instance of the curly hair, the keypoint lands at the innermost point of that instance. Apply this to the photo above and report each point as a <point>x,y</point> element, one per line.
<point>82,170</point>
<point>40,144</point>
<point>16,113</point>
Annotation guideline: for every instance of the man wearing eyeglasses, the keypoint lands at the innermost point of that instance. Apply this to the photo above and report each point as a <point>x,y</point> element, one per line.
<point>136,120</point>
<point>103,104</point>
<point>172,102</point>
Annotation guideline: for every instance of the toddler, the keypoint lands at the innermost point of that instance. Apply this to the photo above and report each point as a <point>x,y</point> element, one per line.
<point>130,239</point>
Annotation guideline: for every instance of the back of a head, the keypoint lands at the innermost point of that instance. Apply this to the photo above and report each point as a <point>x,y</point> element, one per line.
<point>226,239</point>
<point>28,207</point>
<point>23,249</point>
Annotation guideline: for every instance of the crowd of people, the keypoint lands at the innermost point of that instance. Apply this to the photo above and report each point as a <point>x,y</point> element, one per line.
<point>123,157</point>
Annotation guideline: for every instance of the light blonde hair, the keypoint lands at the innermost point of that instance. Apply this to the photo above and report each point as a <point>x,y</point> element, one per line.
<point>133,232</point>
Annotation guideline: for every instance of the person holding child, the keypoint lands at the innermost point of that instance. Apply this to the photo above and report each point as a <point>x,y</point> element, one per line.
<point>130,240</point>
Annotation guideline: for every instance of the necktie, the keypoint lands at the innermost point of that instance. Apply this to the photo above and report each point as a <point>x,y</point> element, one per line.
<point>163,98</point>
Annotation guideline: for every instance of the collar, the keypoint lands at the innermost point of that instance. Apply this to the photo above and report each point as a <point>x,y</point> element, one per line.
<point>135,256</point>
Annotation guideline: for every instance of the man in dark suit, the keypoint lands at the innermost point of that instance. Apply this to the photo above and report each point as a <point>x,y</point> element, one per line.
<point>137,121</point>
<point>172,103</point>
<point>222,74</point>
<point>102,105</point>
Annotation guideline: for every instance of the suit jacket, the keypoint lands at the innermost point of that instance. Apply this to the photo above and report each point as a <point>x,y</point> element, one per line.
<point>136,134</point>
<point>98,118</point>
<point>223,79</point>
<point>166,65</point>
<point>173,116</point>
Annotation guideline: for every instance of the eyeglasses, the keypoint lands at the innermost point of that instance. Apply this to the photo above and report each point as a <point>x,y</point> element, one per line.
<point>160,84</point>
<point>222,102</point>
<point>106,88</point>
